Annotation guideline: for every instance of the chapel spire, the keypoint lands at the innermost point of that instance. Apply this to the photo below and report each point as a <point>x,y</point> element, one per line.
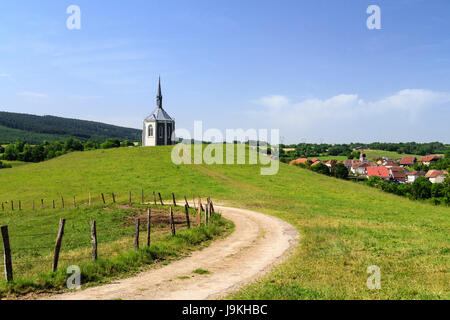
<point>159,96</point>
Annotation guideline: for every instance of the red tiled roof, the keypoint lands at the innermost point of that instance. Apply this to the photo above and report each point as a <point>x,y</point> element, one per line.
<point>429,158</point>
<point>381,172</point>
<point>316,163</point>
<point>407,161</point>
<point>399,175</point>
<point>435,173</point>
<point>297,161</point>
<point>416,173</point>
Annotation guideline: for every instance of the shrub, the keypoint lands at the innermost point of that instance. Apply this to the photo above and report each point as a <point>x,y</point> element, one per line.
<point>421,188</point>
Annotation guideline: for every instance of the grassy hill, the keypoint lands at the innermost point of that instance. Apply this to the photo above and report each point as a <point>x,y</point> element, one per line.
<point>35,129</point>
<point>345,227</point>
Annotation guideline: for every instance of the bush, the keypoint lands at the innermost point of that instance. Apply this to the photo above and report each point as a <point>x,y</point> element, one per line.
<point>111,143</point>
<point>340,171</point>
<point>4,165</point>
<point>321,168</point>
<point>421,188</point>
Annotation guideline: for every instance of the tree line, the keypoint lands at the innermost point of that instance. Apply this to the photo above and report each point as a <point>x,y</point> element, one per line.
<point>315,150</point>
<point>420,189</point>
<point>21,151</point>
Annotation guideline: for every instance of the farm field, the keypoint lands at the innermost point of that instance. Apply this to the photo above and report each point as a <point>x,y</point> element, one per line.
<point>345,227</point>
<point>390,154</point>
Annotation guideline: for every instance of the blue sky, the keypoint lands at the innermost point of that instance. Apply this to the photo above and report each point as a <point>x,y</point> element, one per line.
<point>310,68</point>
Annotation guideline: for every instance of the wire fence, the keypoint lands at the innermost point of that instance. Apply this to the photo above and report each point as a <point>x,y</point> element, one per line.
<point>31,253</point>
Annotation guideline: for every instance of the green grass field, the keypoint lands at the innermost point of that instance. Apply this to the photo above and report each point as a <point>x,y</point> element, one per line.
<point>345,227</point>
<point>390,154</point>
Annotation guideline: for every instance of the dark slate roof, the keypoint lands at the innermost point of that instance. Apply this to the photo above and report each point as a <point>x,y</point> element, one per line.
<point>159,114</point>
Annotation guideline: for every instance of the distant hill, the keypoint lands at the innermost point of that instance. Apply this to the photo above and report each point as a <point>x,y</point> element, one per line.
<point>35,129</point>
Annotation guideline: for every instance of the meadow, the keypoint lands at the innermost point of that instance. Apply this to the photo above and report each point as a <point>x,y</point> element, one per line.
<point>345,227</point>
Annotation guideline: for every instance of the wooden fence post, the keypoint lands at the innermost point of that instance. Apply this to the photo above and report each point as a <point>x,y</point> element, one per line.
<point>103,198</point>
<point>172,222</point>
<point>174,201</point>
<point>62,223</point>
<point>62,201</point>
<point>20,205</point>
<point>206,214</point>
<point>149,226</point>
<point>12,205</point>
<point>160,198</point>
<point>185,200</point>
<point>136,234</point>
<point>94,240</point>
<point>212,207</point>
<point>199,217</point>
<point>188,221</point>
<point>7,254</point>
<point>114,197</point>
<point>74,202</point>
<point>53,204</point>
<point>154,197</point>
<point>42,203</point>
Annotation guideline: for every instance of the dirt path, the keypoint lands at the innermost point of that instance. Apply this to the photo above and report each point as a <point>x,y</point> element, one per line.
<point>257,244</point>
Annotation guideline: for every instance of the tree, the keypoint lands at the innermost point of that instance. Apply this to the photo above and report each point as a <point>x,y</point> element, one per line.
<point>340,171</point>
<point>111,143</point>
<point>10,153</point>
<point>437,190</point>
<point>421,188</point>
<point>321,168</point>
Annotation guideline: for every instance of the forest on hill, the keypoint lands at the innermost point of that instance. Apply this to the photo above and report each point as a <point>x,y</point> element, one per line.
<point>37,129</point>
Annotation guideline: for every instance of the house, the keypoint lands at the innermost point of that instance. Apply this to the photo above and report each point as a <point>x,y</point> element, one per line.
<point>389,163</point>
<point>300,161</point>
<point>398,174</point>
<point>315,163</point>
<point>413,175</point>
<point>159,127</point>
<point>381,172</point>
<point>363,157</point>
<point>348,163</point>
<point>330,163</point>
<point>359,168</point>
<point>407,161</point>
<point>436,176</point>
<point>428,159</point>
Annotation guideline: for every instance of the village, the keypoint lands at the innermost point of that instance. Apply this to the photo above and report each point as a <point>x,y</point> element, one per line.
<point>395,171</point>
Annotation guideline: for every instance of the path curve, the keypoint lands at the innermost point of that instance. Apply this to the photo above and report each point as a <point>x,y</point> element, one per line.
<point>258,243</point>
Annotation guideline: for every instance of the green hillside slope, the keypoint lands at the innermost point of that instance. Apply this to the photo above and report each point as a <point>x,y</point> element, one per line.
<point>8,135</point>
<point>345,227</point>
<point>35,129</point>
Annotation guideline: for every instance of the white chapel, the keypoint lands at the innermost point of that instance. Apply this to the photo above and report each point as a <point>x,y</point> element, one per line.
<point>159,126</point>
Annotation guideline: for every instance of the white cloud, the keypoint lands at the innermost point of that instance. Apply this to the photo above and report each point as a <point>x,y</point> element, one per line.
<point>274,101</point>
<point>29,94</point>
<point>346,117</point>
